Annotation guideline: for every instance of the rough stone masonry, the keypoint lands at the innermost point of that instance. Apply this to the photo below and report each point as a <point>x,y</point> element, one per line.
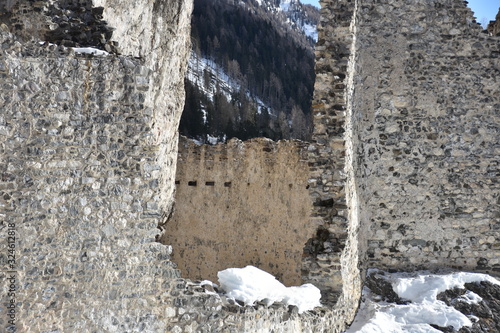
<point>82,141</point>
<point>403,165</point>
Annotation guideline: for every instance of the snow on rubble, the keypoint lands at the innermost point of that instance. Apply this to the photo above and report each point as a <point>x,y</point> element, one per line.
<point>420,307</point>
<point>250,285</point>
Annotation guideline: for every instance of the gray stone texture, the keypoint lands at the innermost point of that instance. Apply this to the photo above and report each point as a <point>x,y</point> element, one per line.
<point>425,106</point>
<point>82,141</point>
<point>494,26</point>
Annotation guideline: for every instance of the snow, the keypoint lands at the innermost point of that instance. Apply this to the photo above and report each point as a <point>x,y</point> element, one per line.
<point>86,50</point>
<point>426,287</point>
<point>285,5</point>
<point>90,50</point>
<point>421,288</point>
<point>310,31</point>
<point>250,285</point>
<point>197,65</point>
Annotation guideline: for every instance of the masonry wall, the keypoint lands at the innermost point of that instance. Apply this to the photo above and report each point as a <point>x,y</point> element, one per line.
<point>336,263</point>
<point>158,33</point>
<point>426,100</point>
<point>238,204</point>
<point>81,192</point>
<point>71,178</point>
<point>86,178</point>
<point>403,168</point>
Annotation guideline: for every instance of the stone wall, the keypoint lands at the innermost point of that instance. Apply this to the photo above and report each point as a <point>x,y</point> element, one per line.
<point>403,167</point>
<point>82,140</point>
<point>158,33</point>
<point>427,103</point>
<point>494,26</point>
<point>238,204</point>
<point>337,263</point>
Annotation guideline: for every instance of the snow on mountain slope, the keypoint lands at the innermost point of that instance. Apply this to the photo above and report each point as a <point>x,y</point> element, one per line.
<point>299,17</point>
<point>210,77</point>
<point>252,66</point>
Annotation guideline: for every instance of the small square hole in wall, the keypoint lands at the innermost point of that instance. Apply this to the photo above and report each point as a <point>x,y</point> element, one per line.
<point>227,184</point>
<point>209,183</point>
<point>177,182</point>
<point>192,183</point>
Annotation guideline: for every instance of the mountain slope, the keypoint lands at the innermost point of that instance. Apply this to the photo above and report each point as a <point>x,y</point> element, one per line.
<point>261,74</point>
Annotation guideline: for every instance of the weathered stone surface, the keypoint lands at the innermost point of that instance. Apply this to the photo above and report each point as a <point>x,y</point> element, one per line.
<point>426,103</point>
<point>192,310</point>
<point>157,32</point>
<point>403,166</point>
<point>333,258</point>
<point>243,203</point>
<point>81,188</point>
<point>486,312</point>
<point>494,26</point>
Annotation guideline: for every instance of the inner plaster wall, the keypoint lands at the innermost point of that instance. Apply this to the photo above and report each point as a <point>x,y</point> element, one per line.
<point>243,203</point>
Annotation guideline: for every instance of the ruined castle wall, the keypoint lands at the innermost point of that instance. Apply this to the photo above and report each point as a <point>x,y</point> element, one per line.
<point>403,167</point>
<point>238,204</point>
<point>158,33</point>
<point>85,147</point>
<point>426,98</point>
<point>82,141</point>
<point>79,190</point>
<point>336,263</point>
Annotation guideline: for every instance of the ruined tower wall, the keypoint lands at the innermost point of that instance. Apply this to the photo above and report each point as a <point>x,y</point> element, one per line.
<point>337,265</point>
<point>79,190</point>
<point>83,139</point>
<point>157,32</point>
<point>426,100</point>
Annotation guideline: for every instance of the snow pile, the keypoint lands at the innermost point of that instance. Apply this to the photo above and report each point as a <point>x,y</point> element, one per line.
<point>85,50</point>
<point>422,289</point>
<point>90,50</point>
<point>250,285</point>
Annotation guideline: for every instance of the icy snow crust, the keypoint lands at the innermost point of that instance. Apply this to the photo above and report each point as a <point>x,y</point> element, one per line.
<point>421,288</point>
<point>250,285</point>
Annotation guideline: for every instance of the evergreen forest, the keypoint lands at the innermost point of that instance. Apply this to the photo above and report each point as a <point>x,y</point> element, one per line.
<point>272,64</point>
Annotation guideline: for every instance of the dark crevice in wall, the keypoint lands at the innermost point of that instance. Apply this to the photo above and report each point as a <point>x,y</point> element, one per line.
<point>78,23</point>
<point>71,23</point>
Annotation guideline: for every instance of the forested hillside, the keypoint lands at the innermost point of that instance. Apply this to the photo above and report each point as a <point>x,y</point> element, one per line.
<point>256,75</point>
